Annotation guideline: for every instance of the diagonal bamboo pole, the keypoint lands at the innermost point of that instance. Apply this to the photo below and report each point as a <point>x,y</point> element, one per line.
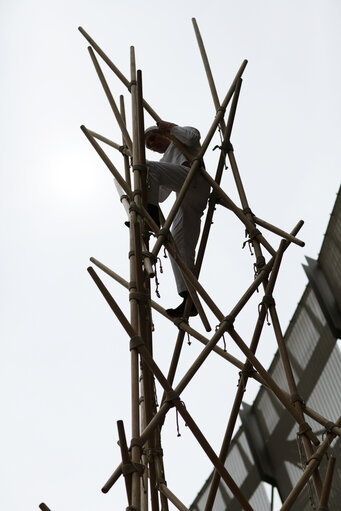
<point>121,148</point>
<point>243,379</point>
<point>312,464</point>
<point>181,325</point>
<point>111,100</point>
<point>207,67</point>
<point>172,498</point>
<point>206,231</point>
<point>44,507</point>
<point>107,161</point>
<point>125,458</point>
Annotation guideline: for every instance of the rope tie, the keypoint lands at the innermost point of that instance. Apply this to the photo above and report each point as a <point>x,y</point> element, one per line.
<point>296,397</point>
<point>135,342</point>
<point>140,167</point>
<point>129,468</point>
<point>150,255</point>
<point>137,192</point>
<point>163,232</point>
<point>157,283</point>
<point>188,339</point>
<point>140,297</point>
<point>243,375</point>
<point>329,427</point>
<point>303,429</point>
<point>177,419</point>
<point>165,253</point>
<point>134,207</point>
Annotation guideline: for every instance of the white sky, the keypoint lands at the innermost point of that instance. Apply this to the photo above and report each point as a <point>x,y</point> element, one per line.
<point>65,359</point>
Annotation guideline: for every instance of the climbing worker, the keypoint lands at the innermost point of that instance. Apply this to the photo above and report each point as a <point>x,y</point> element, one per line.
<point>168,175</point>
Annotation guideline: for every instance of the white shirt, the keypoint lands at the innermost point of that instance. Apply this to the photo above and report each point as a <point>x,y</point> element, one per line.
<point>189,137</point>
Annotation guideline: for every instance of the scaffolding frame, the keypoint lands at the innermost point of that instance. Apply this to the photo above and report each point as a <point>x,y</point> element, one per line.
<point>142,463</point>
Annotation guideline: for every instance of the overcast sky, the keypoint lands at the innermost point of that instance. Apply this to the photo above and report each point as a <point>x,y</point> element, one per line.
<point>65,373</point>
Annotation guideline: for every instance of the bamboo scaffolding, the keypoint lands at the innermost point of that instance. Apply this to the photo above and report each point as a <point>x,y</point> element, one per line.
<point>327,485</point>
<point>143,461</point>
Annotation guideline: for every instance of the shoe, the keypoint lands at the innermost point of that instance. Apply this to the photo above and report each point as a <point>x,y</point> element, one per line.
<point>179,311</point>
<point>153,210</point>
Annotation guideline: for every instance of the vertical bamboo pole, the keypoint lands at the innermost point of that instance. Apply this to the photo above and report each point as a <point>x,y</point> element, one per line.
<point>135,450</point>
<point>125,157</point>
<point>327,485</point>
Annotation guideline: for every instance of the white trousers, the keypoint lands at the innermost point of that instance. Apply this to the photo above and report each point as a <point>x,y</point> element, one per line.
<point>163,178</point>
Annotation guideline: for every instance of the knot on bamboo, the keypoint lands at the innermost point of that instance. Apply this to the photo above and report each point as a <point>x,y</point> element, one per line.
<point>294,398</point>
<point>150,255</point>
<point>140,166</point>
<point>124,197</point>
<point>138,296</point>
<point>221,109</point>
<point>268,301</point>
<point>260,262</point>
<point>132,82</point>
<point>129,468</point>
<point>253,233</point>
<point>247,211</point>
<point>172,396</point>
<point>154,451</point>
<point>226,146</point>
<point>135,342</point>
<point>303,429</point>
<point>132,285</point>
<point>134,207</point>
<point>316,456</point>
<point>136,442</point>
<point>138,192</point>
<point>131,508</point>
<point>163,232</point>
<point>329,427</point>
<point>227,322</point>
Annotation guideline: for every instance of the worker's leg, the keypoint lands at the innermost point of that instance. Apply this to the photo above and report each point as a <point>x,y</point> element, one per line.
<point>186,227</point>
<point>163,178</point>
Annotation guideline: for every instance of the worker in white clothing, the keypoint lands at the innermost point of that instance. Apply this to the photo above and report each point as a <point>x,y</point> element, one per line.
<point>168,175</point>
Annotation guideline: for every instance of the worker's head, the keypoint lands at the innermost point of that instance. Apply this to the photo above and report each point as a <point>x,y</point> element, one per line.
<point>155,140</point>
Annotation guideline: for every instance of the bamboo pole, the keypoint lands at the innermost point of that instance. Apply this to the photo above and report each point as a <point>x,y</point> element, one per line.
<point>278,231</point>
<point>107,161</point>
<point>111,100</point>
<point>121,148</point>
<point>243,380</point>
<point>327,485</point>
<point>134,305</point>
<point>206,230</point>
<point>182,325</point>
<point>44,507</point>
<point>173,499</point>
<point>125,156</point>
<point>207,67</point>
<point>310,468</point>
<point>125,458</point>
<point>148,403</point>
<point>197,161</point>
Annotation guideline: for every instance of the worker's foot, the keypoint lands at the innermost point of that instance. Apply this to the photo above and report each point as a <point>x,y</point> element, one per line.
<point>153,210</point>
<point>179,311</point>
